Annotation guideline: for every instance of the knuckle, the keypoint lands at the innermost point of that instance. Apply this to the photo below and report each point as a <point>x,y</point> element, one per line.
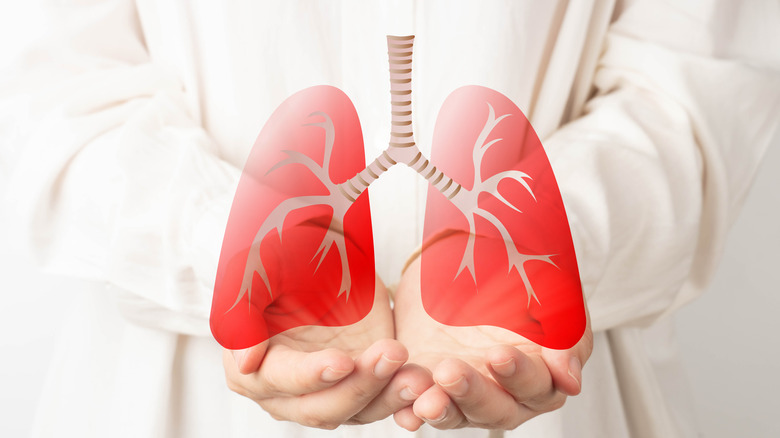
<point>317,420</point>
<point>502,422</point>
<point>483,424</point>
<point>274,415</point>
<point>509,422</point>
<point>233,386</point>
<point>355,421</point>
<point>321,423</point>
<point>270,384</point>
<point>556,403</point>
<point>236,387</point>
<point>513,423</point>
<point>326,425</point>
<point>547,403</point>
<point>271,411</point>
<point>306,418</point>
<point>360,418</point>
<point>361,393</point>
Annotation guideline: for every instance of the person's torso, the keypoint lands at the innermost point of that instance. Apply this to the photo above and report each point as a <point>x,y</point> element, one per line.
<point>239,62</point>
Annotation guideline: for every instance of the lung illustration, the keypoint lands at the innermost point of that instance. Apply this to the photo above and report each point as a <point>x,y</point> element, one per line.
<point>497,249</point>
<point>298,246</point>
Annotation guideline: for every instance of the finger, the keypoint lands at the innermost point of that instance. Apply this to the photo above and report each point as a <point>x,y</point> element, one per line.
<point>480,399</point>
<point>566,365</point>
<point>435,408</point>
<point>565,370</point>
<point>526,378</point>
<point>286,372</point>
<point>406,419</point>
<point>334,406</point>
<point>404,388</point>
<point>248,360</point>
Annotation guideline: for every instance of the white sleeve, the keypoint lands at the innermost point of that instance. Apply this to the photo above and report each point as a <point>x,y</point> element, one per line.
<point>687,100</point>
<point>113,178</point>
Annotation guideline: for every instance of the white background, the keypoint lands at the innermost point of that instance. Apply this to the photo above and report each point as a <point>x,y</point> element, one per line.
<point>728,337</point>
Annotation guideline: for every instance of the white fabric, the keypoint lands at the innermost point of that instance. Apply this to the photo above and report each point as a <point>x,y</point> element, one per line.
<point>133,120</point>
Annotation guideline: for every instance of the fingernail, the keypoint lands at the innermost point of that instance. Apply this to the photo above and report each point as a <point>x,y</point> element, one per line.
<point>438,419</point>
<point>407,394</point>
<point>505,369</point>
<point>386,367</point>
<point>575,370</point>
<point>238,356</point>
<point>331,375</point>
<point>458,387</point>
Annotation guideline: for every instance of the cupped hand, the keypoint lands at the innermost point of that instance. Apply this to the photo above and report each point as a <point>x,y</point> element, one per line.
<point>327,376</point>
<point>485,377</point>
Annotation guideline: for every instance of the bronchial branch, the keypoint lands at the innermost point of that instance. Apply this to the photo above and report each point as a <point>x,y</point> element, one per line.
<point>401,149</point>
<point>335,198</point>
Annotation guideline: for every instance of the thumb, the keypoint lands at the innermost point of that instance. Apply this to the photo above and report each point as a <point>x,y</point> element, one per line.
<point>566,365</point>
<point>249,359</point>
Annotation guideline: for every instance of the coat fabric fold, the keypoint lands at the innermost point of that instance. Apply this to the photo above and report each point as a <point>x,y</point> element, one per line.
<point>133,120</point>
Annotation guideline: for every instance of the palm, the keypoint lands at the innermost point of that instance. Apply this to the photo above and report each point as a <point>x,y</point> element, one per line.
<point>352,339</point>
<point>485,376</point>
<point>326,376</point>
<point>429,341</point>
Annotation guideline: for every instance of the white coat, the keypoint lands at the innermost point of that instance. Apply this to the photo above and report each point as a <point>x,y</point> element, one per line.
<point>134,120</point>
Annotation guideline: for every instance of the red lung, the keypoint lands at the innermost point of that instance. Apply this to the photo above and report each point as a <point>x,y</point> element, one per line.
<point>548,307</point>
<point>306,288</point>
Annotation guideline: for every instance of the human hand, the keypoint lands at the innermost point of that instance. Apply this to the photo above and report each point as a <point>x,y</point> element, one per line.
<point>486,377</point>
<point>327,376</point>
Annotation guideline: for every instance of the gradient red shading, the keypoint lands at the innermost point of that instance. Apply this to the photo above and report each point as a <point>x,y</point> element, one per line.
<point>296,250</point>
<point>497,249</point>
<point>519,271</point>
